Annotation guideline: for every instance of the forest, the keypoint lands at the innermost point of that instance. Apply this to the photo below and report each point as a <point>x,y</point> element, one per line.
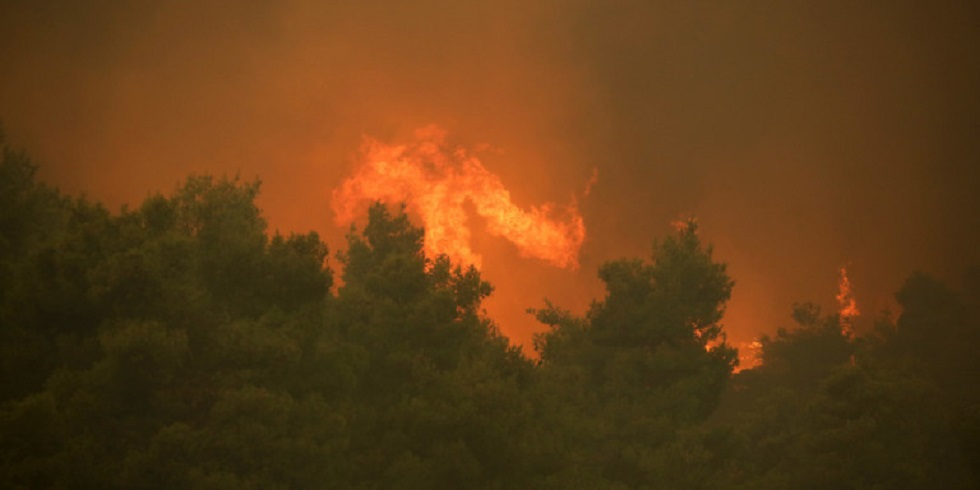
<point>179,344</point>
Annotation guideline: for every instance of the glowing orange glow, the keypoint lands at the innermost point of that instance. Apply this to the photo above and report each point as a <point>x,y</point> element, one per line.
<point>682,223</point>
<point>749,355</point>
<point>435,180</point>
<point>847,306</point>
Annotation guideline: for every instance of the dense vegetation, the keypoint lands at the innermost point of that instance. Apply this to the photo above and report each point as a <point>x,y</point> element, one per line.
<point>177,345</point>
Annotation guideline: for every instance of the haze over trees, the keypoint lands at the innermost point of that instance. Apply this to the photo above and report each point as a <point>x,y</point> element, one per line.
<point>180,345</point>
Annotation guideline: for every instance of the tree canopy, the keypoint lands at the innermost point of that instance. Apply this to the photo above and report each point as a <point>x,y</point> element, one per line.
<point>179,344</point>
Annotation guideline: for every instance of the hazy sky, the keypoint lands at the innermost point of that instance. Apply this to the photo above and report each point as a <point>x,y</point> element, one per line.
<point>803,135</point>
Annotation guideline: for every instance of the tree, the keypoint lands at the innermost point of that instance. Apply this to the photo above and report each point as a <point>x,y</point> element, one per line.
<point>862,426</point>
<point>800,358</point>
<point>656,331</point>
<point>126,332</point>
<point>48,245</point>
<point>648,359</point>
<point>825,410</point>
<point>438,388</point>
<point>936,337</point>
<point>936,333</point>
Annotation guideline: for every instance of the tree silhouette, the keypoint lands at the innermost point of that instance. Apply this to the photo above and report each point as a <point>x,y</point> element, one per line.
<point>179,345</point>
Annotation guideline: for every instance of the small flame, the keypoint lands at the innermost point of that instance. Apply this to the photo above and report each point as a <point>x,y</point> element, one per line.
<point>847,306</point>
<point>749,355</point>
<point>683,222</point>
<point>435,180</point>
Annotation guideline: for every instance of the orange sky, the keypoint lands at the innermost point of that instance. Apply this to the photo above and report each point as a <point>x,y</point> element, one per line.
<point>805,136</point>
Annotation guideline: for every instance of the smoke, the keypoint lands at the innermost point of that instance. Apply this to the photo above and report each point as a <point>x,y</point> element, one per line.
<point>801,135</point>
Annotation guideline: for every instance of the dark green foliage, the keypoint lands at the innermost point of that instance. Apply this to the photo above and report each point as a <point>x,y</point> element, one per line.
<point>47,245</point>
<point>799,359</point>
<point>643,365</point>
<point>438,390</point>
<point>655,338</point>
<point>928,307</point>
<point>130,338</point>
<point>178,345</point>
<point>828,411</point>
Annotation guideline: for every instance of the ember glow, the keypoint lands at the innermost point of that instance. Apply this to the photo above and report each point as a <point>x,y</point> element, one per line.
<point>847,306</point>
<point>435,180</point>
<point>749,355</point>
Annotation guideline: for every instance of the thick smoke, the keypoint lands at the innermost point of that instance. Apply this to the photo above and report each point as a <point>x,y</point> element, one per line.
<point>805,136</point>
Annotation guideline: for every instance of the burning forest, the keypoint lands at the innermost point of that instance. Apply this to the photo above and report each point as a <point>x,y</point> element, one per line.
<point>550,244</point>
<point>182,335</point>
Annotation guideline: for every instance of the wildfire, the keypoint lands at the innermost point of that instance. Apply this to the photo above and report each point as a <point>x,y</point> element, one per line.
<point>682,223</point>
<point>749,355</point>
<point>435,179</point>
<point>847,306</point>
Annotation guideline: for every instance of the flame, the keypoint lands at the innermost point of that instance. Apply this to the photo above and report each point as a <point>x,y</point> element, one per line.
<point>847,306</point>
<point>435,179</point>
<point>683,222</point>
<point>749,355</point>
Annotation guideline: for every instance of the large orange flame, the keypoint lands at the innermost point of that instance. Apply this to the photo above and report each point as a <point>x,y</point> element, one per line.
<point>435,179</point>
<point>847,306</point>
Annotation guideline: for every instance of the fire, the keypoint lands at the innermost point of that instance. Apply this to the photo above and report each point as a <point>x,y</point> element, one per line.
<point>749,355</point>
<point>847,306</point>
<point>683,222</point>
<point>435,179</point>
